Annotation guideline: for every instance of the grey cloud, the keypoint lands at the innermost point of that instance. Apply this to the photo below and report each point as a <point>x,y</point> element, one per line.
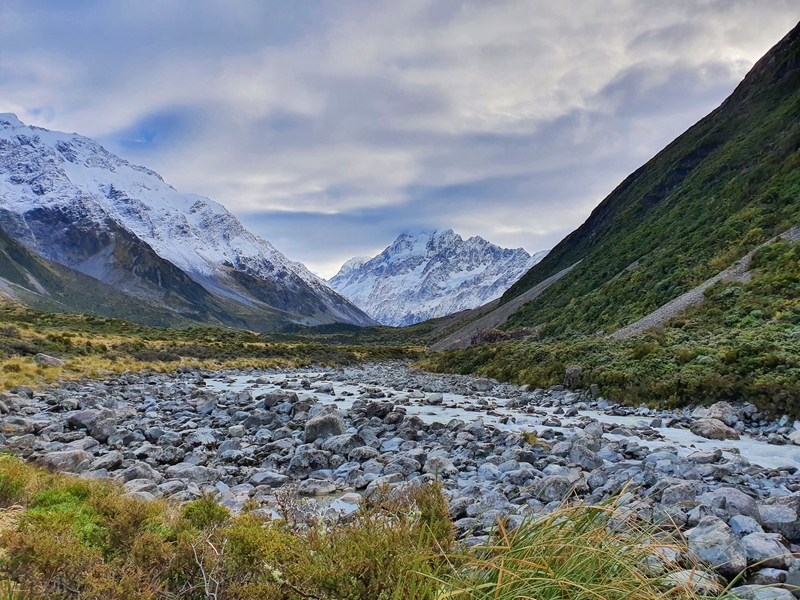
<point>331,127</point>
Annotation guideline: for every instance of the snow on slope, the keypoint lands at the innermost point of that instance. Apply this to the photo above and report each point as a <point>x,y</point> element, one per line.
<point>431,275</point>
<point>45,169</point>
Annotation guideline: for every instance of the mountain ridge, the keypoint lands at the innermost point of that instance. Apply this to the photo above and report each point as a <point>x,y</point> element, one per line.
<point>430,274</point>
<point>67,199</point>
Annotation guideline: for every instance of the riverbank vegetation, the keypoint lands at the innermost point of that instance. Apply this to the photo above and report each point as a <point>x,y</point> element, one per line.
<point>66,537</point>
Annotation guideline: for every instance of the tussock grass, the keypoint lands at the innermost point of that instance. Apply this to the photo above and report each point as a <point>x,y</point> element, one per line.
<point>575,553</point>
<point>68,537</point>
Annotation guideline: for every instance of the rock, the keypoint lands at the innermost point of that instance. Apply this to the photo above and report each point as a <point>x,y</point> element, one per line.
<point>362,453</point>
<point>171,455</point>
<point>742,525</point>
<point>488,471</point>
<point>343,444</point>
<point>794,437</point>
<point>722,411</point>
<point>316,487</point>
<point>324,425</point>
<point>46,359</point>
<point>681,493</point>
<point>698,582</point>
<point>587,459</point>
<point>190,472</point>
<point>572,376</point>
<point>715,544</point>
<point>69,461</point>
<point>705,458</point>
<point>552,488</point>
<point>270,478</point>
<point>757,592</point>
<point>781,515</point>
<point>102,429</point>
<point>16,426</point>
<point>713,429</point>
<point>733,501</point>
<point>108,461</point>
<point>767,550</point>
<point>440,466</point>
<point>405,465</point>
<point>140,470</point>
<point>434,399</point>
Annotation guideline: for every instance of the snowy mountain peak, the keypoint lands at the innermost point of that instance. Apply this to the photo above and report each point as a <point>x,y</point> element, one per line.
<point>10,121</point>
<point>431,274</point>
<point>55,187</point>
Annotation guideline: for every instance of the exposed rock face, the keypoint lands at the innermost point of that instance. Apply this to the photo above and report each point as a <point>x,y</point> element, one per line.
<point>68,199</point>
<point>430,275</point>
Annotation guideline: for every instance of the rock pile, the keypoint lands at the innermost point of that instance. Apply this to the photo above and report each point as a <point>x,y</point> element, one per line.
<point>244,435</point>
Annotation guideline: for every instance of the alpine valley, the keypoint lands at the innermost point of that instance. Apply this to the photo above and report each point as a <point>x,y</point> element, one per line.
<point>429,275</point>
<point>86,231</point>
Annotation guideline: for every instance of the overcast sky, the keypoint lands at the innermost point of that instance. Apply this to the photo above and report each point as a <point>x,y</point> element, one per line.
<point>329,128</point>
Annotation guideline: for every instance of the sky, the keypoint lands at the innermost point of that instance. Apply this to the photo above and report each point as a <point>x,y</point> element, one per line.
<point>330,127</point>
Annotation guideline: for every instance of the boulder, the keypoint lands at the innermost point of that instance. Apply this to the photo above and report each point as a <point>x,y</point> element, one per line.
<point>440,466</point>
<point>758,592</point>
<point>713,429</point>
<point>16,426</point>
<point>343,444</point>
<point>781,515</point>
<point>324,425</point>
<point>140,470</point>
<point>552,488</point>
<point>732,501</point>
<point>572,376</point>
<point>69,461</point>
<point>270,478</point>
<point>50,361</point>
<point>316,487</point>
<point>192,473</point>
<point>767,550</point>
<point>715,544</point>
<point>587,459</point>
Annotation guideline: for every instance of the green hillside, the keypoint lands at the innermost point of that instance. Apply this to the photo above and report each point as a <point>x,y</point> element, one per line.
<point>727,184</point>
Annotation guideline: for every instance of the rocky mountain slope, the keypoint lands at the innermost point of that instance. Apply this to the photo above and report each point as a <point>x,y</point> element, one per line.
<point>67,199</point>
<point>719,190</point>
<point>429,275</point>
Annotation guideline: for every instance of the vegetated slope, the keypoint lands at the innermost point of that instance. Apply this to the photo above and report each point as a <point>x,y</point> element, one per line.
<point>46,285</point>
<point>430,275</point>
<point>66,198</point>
<point>727,184</point>
<point>741,343</point>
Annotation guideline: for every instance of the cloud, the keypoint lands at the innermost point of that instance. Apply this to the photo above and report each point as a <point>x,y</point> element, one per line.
<point>331,127</point>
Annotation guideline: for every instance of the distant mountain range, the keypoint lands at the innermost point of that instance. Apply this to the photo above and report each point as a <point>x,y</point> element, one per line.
<point>86,231</point>
<point>419,277</point>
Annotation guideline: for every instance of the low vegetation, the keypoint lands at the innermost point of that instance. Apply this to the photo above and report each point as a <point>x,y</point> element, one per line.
<point>97,346</point>
<point>742,343</point>
<point>65,537</point>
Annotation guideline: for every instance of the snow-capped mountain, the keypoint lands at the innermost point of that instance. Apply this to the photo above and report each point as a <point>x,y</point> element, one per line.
<point>431,275</point>
<point>66,198</point>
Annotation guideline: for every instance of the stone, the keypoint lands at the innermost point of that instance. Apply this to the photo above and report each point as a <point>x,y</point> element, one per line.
<point>488,471</point>
<point>713,429</point>
<point>16,426</point>
<point>324,425</point>
<point>109,461</point>
<point>363,453</point>
<point>102,429</point>
<point>343,444</point>
<point>434,399</point>
<point>767,550</point>
<point>405,465</point>
<point>572,376</point>
<point>781,515</point>
<point>743,525</point>
<point>681,493</point>
<point>440,466</point>
<point>732,500</point>
<point>69,461</point>
<point>705,457</point>
<point>715,544</point>
<point>757,592</point>
<point>140,470</point>
<point>270,478</point>
<point>316,487</point>
<point>46,359</point>
<point>695,580</point>
<point>587,459</point>
<point>552,488</point>
<point>190,472</point>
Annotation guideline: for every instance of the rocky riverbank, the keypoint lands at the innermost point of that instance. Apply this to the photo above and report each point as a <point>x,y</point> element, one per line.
<point>500,451</point>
